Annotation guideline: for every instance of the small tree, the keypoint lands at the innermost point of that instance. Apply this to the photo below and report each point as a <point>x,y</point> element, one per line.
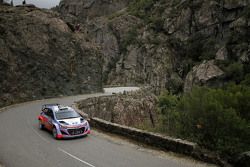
<point>169,117</point>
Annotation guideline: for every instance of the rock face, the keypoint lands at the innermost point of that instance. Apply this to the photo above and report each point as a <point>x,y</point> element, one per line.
<point>122,42</point>
<point>89,9</point>
<point>127,61</point>
<point>159,42</point>
<point>40,57</point>
<point>206,73</point>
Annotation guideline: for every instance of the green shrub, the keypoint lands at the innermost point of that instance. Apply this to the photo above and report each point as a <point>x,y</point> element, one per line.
<point>218,119</point>
<point>168,116</point>
<point>212,117</point>
<point>156,23</point>
<point>235,72</point>
<point>200,48</point>
<point>246,80</point>
<point>241,103</point>
<point>140,7</point>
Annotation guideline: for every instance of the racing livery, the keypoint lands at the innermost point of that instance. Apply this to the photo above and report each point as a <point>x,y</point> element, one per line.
<point>63,121</point>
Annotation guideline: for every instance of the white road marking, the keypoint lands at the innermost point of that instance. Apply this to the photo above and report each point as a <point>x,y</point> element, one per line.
<point>32,128</point>
<point>86,163</point>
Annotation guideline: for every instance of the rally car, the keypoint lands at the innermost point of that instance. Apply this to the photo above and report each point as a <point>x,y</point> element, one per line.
<point>63,121</point>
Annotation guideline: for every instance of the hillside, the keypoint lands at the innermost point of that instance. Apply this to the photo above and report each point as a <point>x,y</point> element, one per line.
<point>167,44</point>
<point>41,57</point>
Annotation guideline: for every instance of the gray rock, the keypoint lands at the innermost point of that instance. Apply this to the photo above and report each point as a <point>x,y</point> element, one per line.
<point>89,9</point>
<point>202,74</point>
<point>222,54</point>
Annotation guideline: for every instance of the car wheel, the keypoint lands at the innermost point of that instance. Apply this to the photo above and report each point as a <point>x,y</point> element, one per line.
<point>41,126</point>
<point>54,132</point>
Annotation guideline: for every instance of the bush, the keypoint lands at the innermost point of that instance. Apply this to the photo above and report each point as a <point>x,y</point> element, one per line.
<point>168,116</point>
<point>246,80</point>
<point>218,119</point>
<point>235,72</point>
<point>140,8</point>
<point>156,23</point>
<point>215,118</point>
<point>199,48</point>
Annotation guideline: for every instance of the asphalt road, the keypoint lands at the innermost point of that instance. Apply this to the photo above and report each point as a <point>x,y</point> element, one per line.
<point>22,144</point>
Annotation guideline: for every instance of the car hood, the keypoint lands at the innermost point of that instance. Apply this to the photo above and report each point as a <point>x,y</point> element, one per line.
<point>71,121</point>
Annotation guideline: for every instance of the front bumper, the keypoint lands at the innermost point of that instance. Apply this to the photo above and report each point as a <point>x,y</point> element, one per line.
<point>73,132</point>
<point>64,136</point>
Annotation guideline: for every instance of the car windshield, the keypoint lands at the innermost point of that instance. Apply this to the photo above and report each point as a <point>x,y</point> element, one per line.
<point>66,114</point>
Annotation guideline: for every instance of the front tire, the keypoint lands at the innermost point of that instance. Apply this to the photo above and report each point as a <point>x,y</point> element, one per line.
<point>54,132</point>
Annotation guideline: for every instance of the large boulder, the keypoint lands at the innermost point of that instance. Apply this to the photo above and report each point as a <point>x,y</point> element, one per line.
<point>206,73</point>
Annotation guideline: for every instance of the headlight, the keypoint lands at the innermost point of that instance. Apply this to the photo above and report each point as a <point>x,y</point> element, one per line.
<point>82,120</point>
<point>62,126</point>
<point>85,124</point>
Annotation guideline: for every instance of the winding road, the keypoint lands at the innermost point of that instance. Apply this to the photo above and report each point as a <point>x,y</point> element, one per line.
<point>22,144</point>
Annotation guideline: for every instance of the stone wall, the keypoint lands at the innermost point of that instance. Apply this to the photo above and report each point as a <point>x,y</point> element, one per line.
<point>157,140</point>
<point>130,109</point>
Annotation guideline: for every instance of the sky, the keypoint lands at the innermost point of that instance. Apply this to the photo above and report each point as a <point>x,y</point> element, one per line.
<point>39,3</point>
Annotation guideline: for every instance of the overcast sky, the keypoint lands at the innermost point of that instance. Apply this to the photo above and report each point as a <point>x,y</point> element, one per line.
<point>39,3</point>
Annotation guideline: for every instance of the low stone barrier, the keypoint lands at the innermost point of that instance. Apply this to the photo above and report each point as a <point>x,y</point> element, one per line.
<point>156,140</point>
<point>159,141</point>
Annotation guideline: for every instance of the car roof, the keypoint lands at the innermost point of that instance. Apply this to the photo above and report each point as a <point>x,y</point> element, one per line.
<point>50,105</point>
<point>57,107</point>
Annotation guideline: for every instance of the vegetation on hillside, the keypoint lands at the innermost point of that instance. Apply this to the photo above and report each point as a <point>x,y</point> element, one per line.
<point>218,119</point>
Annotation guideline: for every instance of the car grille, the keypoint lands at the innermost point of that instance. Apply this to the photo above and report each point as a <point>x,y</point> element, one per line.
<point>76,131</point>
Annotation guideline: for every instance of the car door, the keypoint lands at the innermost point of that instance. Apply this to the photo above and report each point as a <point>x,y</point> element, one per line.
<point>50,117</point>
<point>44,116</point>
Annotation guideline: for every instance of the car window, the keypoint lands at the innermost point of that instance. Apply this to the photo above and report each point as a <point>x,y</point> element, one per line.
<point>48,112</point>
<point>45,111</point>
<point>66,114</point>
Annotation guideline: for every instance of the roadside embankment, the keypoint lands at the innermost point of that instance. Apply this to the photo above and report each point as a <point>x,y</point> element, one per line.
<point>104,115</point>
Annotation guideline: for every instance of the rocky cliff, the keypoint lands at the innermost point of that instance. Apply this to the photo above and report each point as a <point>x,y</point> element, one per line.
<point>172,45</point>
<point>40,56</point>
<point>161,43</point>
<point>88,9</point>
